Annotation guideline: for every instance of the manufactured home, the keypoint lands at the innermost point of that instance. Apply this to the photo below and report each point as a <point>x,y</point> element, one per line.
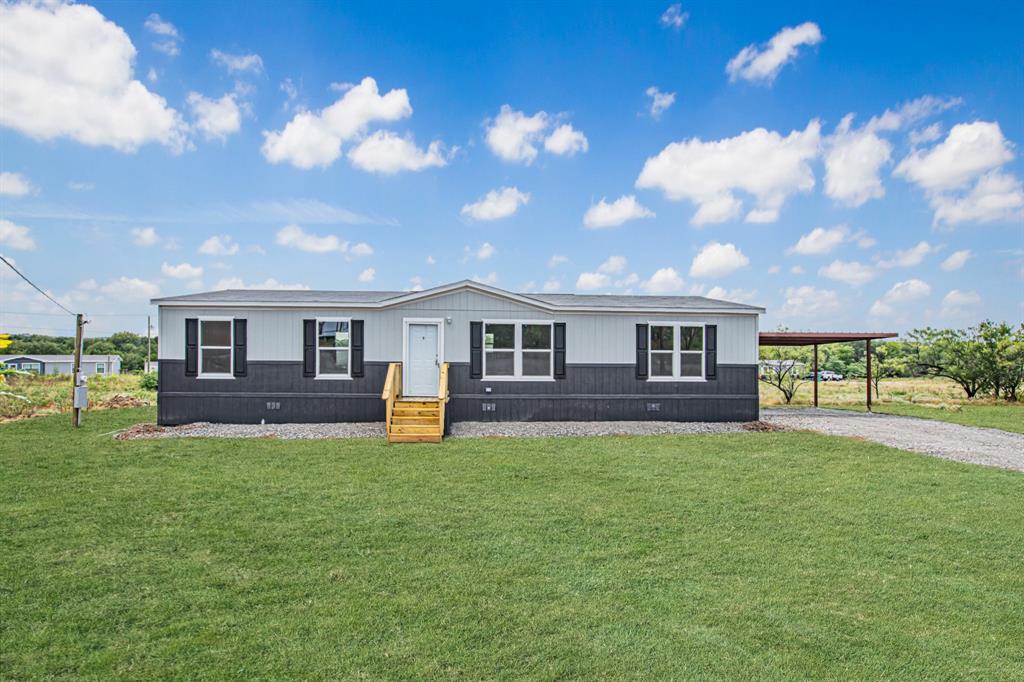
<point>458,352</point>
<point>63,364</point>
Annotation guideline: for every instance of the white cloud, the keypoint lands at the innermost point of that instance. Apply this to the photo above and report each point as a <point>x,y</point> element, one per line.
<point>774,269</point>
<point>238,283</point>
<point>603,214</point>
<point>430,260</point>
<point>808,301</point>
<point>483,252</point>
<point>759,162</point>
<point>612,266</point>
<point>718,260</point>
<point>848,272</point>
<point>15,236</point>
<point>361,249</point>
<point>219,245</point>
<point>490,278</point>
<point>761,64</point>
<point>294,237</point>
<point>660,101</point>
<point>588,281</point>
<point>388,153</point>
<point>853,162</point>
<point>956,260</point>
<point>215,118</point>
<point>514,136</point>
<point>663,281</point>
<point>496,204</point>
<point>820,241</point>
<point>552,286</point>
<point>182,271</point>
<point>415,283</point>
<point>79,186</point>
<point>68,73</point>
<point>628,281</point>
<point>674,17</point>
<point>735,295</point>
<point>957,302</point>
<point>557,260</point>
<point>912,112</point>
<point>566,141</point>
<point>796,270</point>
<point>925,135</point>
<point>130,289</point>
<point>237,63</point>
<point>908,258</point>
<point>145,236</point>
<point>961,175</point>
<point>168,47</point>
<point>155,24</point>
<point>15,185</point>
<point>900,293</point>
<point>367,275</point>
<point>314,139</point>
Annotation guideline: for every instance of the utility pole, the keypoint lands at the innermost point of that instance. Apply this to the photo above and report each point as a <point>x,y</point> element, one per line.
<point>149,344</point>
<point>76,373</point>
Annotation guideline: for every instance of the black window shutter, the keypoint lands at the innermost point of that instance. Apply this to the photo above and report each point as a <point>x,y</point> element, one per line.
<point>641,351</point>
<point>559,350</point>
<point>476,350</point>
<point>241,352</point>
<point>309,348</point>
<point>192,347</point>
<point>357,348</point>
<point>711,352</point>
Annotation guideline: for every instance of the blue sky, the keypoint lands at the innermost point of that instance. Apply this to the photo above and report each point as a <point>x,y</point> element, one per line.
<point>701,148</point>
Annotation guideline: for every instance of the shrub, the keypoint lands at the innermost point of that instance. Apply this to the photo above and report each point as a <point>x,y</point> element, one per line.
<point>149,381</point>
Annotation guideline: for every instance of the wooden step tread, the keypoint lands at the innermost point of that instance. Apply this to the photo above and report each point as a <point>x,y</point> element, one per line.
<point>416,428</point>
<point>412,412</point>
<point>416,403</point>
<point>413,438</point>
<point>417,419</point>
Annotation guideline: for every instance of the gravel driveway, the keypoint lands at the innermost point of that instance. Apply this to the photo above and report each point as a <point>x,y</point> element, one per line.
<point>969,444</point>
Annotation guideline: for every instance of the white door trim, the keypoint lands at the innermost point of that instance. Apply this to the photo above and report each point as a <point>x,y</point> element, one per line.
<point>439,322</point>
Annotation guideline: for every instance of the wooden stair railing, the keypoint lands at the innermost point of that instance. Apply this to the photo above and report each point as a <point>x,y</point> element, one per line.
<point>412,419</point>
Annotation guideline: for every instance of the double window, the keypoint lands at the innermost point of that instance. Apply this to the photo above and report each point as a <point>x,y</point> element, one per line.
<point>333,348</point>
<point>215,347</point>
<point>101,368</point>
<point>676,351</point>
<point>518,350</point>
<point>32,367</point>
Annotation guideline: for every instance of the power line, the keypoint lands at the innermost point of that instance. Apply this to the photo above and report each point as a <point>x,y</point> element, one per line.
<point>33,285</point>
<point>91,315</point>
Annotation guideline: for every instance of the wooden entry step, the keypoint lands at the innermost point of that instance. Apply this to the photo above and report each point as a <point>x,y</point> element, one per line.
<point>414,419</point>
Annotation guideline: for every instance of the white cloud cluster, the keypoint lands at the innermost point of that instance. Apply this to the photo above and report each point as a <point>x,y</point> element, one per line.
<point>660,101</point>
<point>166,32</point>
<point>497,204</point>
<point>663,281</point>
<point>956,260</point>
<point>604,214</point>
<point>600,279</point>
<point>514,136</point>
<point>760,162</point>
<point>314,139</point>
<point>67,72</point>
<point>853,273</point>
<point>15,236</point>
<point>821,241</point>
<point>963,177</point>
<point>237,63</point>
<point>900,293</point>
<point>14,185</point>
<point>957,302</point>
<point>483,252</point>
<point>908,258</point>
<point>674,17</point>
<point>215,118</point>
<point>219,245</point>
<point>368,275</point>
<point>145,236</point>
<point>718,260</point>
<point>762,63</point>
<point>294,237</point>
<point>182,271</point>
<point>809,301</point>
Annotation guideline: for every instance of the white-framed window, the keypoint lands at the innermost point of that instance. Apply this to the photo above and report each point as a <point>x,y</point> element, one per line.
<point>36,367</point>
<point>518,350</point>
<point>216,347</point>
<point>333,348</point>
<point>101,368</point>
<point>676,351</point>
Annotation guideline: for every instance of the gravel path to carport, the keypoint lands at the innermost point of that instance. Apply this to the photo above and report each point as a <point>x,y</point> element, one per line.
<point>970,444</point>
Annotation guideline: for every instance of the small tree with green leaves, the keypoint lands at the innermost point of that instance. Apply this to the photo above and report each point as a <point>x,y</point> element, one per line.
<point>783,368</point>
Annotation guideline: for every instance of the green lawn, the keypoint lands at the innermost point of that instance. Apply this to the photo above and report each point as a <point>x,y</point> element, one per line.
<point>752,555</point>
<point>1005,416</point>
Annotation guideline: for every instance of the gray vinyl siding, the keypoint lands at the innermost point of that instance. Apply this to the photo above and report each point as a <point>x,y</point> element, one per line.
<point>275,334</point>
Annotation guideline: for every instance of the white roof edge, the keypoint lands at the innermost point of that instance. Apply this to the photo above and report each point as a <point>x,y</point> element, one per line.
<point>413,296</point>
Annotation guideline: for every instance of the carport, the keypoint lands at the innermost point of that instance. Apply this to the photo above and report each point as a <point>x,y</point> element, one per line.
<point>819,338</point>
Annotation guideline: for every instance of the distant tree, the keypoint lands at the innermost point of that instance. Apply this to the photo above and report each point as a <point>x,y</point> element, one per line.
<point>889,360</point>
<point>784,368</point>
<point>955,354</point>
<point>1003,352</point>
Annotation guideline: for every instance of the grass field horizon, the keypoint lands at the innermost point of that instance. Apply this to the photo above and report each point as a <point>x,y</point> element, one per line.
<point>773,555</point>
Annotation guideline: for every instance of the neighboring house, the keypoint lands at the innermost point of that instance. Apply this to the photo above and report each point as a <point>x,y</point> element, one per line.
<point>62,364</point>
<point>323,356</point>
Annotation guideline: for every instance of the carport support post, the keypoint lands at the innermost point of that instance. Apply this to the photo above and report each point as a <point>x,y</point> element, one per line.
<point>815,375</point>
<point>869,372</point>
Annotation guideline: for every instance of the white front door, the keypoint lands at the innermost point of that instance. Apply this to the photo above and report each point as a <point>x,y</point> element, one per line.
<point>421,371</point>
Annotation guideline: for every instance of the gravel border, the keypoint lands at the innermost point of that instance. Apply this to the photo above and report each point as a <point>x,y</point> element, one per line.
<point>568,429</point>
<point>970,444</point>
<point>282,431</point>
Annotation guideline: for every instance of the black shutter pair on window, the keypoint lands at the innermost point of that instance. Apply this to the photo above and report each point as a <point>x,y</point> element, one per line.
<point>241,349</point>
<point>476,350</point>
<point>356,346</point>
<point>710,352</point>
